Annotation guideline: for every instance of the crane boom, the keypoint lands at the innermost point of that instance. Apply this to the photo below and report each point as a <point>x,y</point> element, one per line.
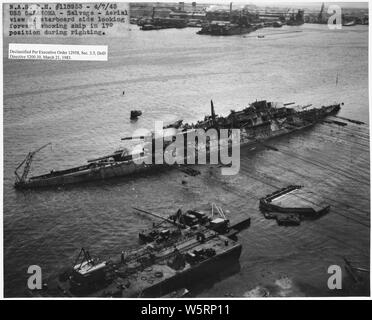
<point>160,217</point>
<point>27,161</point>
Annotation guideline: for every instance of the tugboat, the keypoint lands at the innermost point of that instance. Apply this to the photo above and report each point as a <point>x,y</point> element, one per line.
<point>258,122</point>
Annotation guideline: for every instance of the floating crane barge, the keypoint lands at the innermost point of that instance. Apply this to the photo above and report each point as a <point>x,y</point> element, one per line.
<point>157,274</point>
<point>156,268</point>
<point>258,122</point>
<point>152,270</point>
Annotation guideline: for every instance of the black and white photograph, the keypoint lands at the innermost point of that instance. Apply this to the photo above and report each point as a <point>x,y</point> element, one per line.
<point>185,150</point>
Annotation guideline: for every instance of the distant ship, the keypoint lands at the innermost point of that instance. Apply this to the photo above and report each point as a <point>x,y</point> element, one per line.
<point>230,23</point>
<point>147,27</point>
<point>349,23</point>
<point>296,19</point>
<point>294,23</point>
<point>277,24</point>
<point>157,23</point>
<point>226,28</point>
<point>260,121</point>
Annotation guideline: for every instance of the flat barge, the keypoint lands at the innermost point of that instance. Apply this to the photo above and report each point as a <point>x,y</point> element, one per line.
<point>291,204</point>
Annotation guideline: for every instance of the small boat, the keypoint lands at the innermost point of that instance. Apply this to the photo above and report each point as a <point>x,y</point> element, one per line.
<point>134,114</point>
<point>288,220</point>
<point>349,23</point>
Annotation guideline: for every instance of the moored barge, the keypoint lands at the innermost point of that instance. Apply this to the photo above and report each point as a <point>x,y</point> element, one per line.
<point>146,271</point>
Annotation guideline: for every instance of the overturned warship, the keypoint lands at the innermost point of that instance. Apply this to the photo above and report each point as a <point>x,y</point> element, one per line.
<point>260,121</point>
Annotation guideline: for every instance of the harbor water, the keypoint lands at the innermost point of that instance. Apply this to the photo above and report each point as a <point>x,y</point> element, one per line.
<point>83,108</point>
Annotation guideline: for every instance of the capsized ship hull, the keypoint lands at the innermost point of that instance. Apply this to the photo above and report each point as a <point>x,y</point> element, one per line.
<point>85,174</point>
<point>258,122</point>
